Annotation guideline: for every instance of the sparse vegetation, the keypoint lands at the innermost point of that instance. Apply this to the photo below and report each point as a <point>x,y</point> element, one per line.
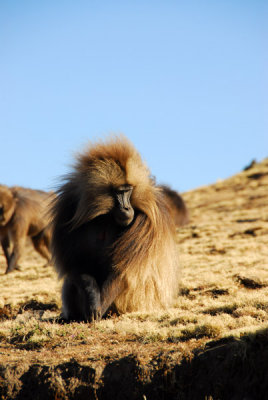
<point>223,301</point>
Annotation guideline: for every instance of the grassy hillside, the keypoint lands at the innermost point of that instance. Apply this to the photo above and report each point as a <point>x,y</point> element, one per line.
<point>211,344</point>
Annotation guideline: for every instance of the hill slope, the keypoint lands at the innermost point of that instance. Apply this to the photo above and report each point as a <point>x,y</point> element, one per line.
<point>212,344</point>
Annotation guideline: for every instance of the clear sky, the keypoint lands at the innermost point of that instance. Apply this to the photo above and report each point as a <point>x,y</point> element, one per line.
<point>186,81</point>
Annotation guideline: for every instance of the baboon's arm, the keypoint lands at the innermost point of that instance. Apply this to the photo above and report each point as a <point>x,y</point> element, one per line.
<point>93,302</point>
<point>111,288</point>
<point>81,298</point>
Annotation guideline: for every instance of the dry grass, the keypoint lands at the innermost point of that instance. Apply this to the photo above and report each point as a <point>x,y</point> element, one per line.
<point>223,254</point>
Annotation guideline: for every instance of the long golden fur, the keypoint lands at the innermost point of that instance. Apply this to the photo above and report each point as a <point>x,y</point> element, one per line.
<point>144,255</point>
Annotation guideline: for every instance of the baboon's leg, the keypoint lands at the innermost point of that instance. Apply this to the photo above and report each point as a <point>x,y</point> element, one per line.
<point>80,298</point>
<point>40,245</point>
<point>5,245</point>
<point>19,239</point>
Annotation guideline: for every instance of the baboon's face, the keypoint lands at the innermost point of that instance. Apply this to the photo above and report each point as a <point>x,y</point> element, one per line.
<point>123,211</point>
<point>7,206</point>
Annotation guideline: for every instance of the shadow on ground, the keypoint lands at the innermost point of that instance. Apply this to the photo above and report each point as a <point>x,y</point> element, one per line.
<point>226,369</point>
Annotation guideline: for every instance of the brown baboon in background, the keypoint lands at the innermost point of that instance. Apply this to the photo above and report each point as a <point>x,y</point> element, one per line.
<point>23,212</point>
<point>113,239</point>
<point>178,210</point>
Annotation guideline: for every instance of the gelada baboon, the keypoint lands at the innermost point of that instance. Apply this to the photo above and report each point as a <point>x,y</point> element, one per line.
<point>113,240</point>
<point>178,210</point>
<point>23,212</point>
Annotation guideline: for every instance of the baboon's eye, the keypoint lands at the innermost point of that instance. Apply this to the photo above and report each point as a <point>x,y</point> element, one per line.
<point>1,210</point>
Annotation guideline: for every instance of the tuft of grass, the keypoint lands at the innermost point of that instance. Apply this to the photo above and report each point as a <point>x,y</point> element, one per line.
<point>200,331</point>
<point>225,309</point>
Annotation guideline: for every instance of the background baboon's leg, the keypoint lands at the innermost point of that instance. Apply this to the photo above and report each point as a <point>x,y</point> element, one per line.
<point>5,245</point>
<point>47,237</point>
<point>18,247</point>
<point>40,245</point>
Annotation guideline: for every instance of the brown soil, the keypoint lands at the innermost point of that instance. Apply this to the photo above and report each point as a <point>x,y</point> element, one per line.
<point>212,345</point>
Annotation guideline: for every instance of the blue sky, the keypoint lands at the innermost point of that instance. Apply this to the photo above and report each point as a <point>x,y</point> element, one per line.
<point>186,81</point>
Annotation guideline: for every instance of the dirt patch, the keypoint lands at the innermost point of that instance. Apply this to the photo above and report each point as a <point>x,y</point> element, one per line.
<point>38,305</point>
<point>250,283</point>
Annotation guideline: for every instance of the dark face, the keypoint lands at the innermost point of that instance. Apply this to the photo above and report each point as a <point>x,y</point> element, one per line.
<point>123,212</point>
